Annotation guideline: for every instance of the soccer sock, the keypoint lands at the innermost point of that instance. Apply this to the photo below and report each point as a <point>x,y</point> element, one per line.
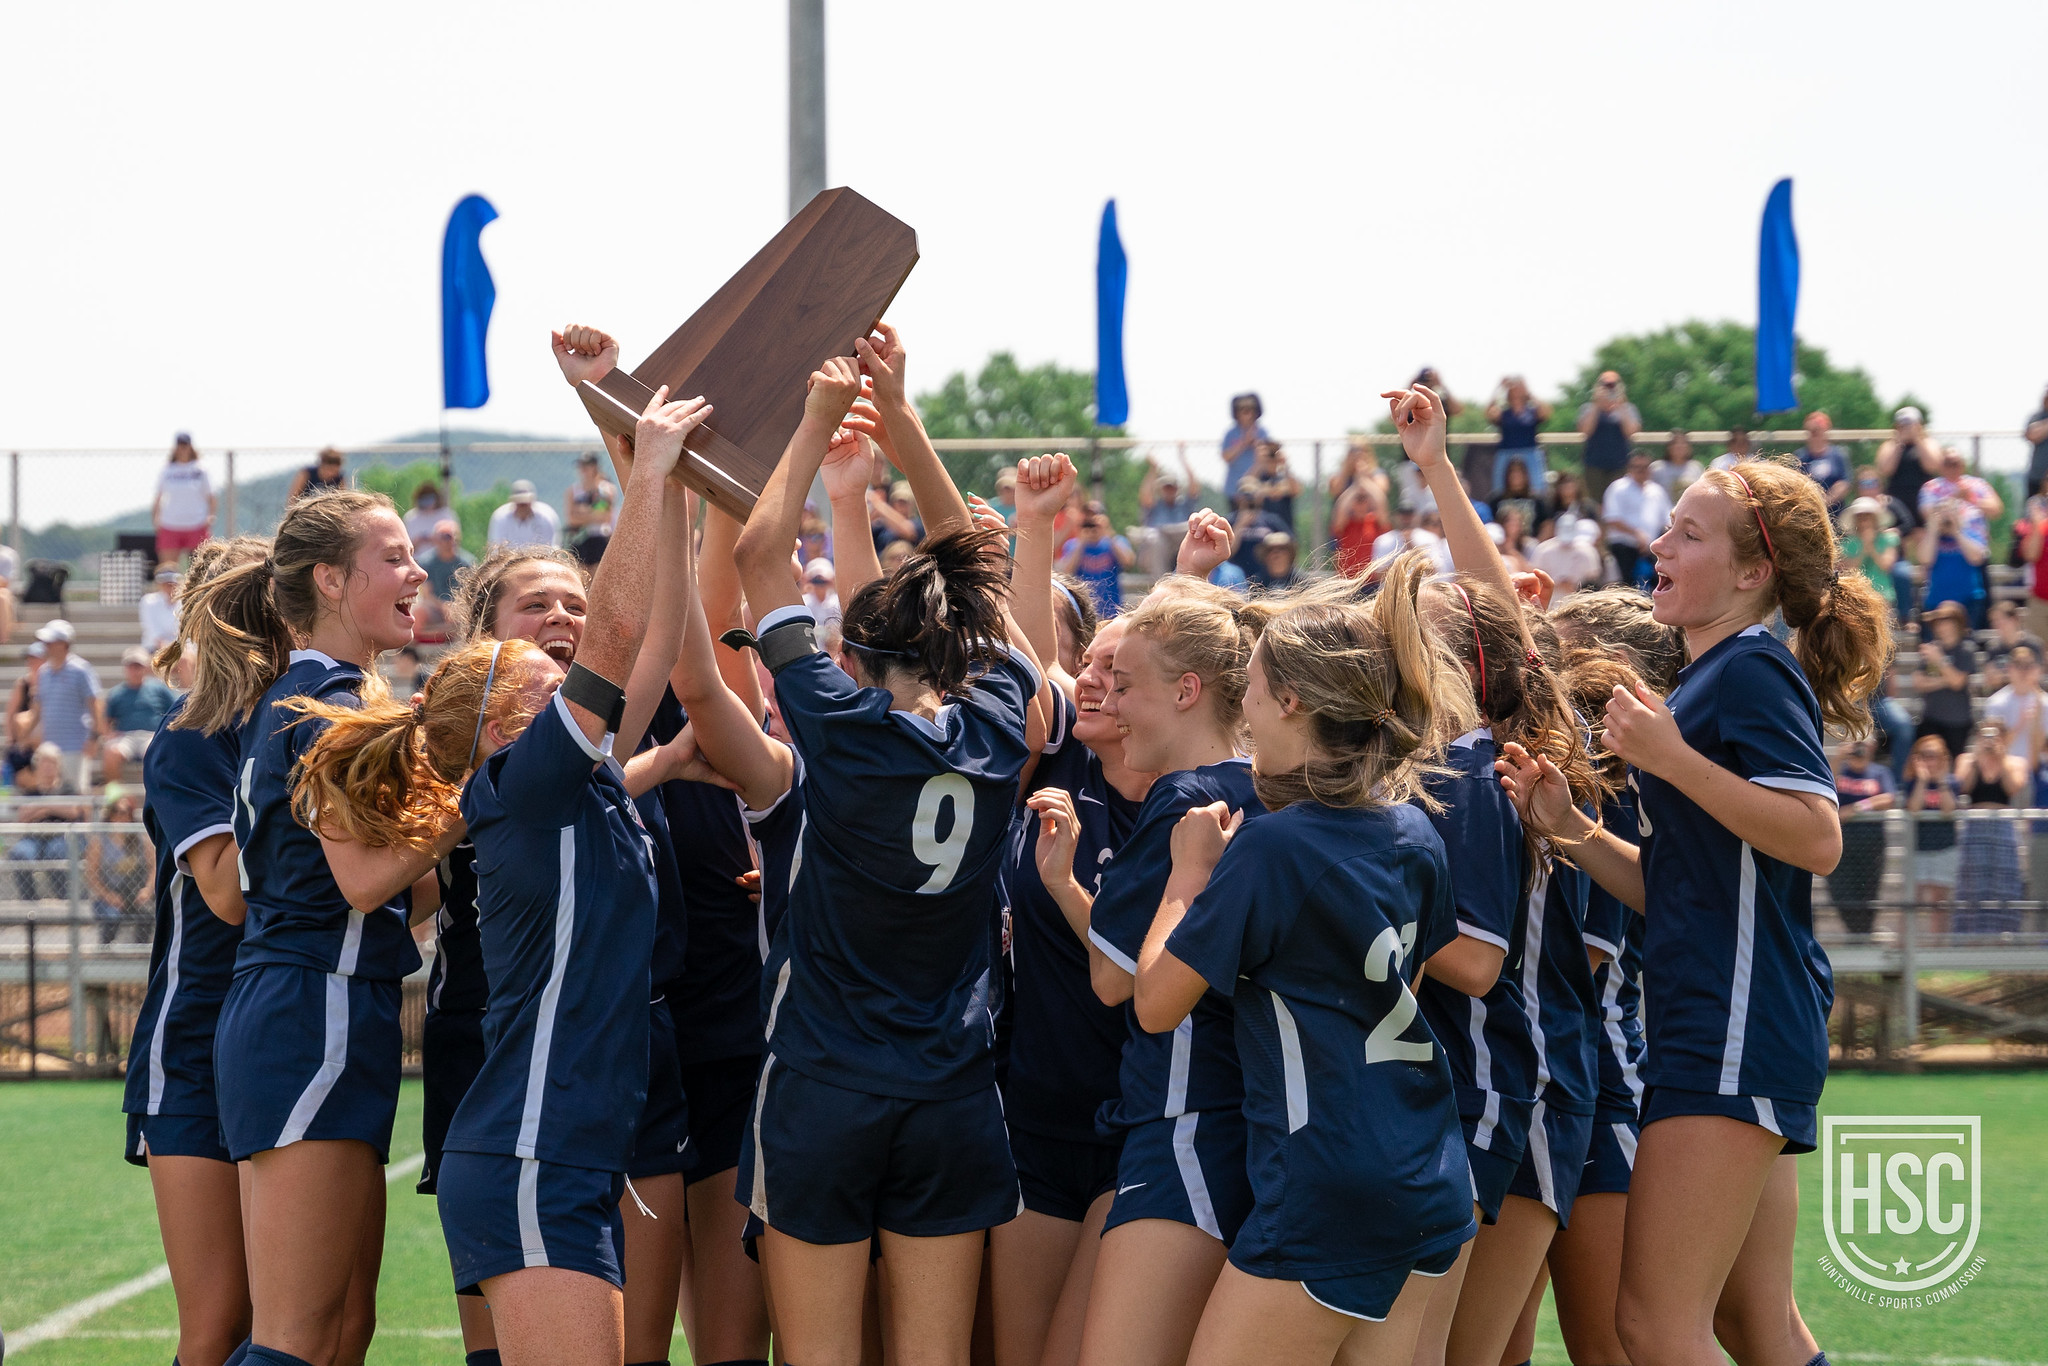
<point>239,1355</point>
<point>487,1356</point>
<point>271,1356</point>
<point>1819,1359</point>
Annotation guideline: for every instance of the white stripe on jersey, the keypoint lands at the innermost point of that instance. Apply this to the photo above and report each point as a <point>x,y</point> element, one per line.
<point>351,946</point>
<point>757,1199</point>
<point>1738,986</point>
<point>1177,1076</point>
<point>1190,1164</point>
<point>163,1015</point>
<point>333,1060</point>
<point>775,1002</point>
<point>1112,952</point>
<point>1610,1011</point>
<point>1532,967</point>
<point>1626,1137</point>
<point>550,1000</point>
<point>1292,1071</point>
<point>530,1242</point>
<point>1482,1076</point>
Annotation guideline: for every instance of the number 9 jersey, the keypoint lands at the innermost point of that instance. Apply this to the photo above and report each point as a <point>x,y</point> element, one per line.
<point>894,877</point>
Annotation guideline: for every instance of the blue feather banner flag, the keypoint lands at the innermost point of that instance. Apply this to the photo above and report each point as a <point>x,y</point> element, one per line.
<point>1777,303</point>
<point>467,296</point>
<point>1112,271</point>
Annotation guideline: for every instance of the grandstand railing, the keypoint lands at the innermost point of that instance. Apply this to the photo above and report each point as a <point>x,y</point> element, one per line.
<point>1912,977</point>
<point>44,484</point>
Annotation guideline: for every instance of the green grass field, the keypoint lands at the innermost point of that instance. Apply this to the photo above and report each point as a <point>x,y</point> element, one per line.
<point>75,1220</point>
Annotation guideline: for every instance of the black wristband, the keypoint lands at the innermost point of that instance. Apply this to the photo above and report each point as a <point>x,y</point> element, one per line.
<point>788,642</point>
<point>597,695</point>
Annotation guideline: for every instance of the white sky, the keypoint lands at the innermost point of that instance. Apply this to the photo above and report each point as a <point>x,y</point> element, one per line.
<point>228,217</point>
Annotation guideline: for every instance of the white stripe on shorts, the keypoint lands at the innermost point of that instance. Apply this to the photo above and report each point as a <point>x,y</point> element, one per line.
<point>1539,1153</point>
<point>1767,1115</point>
<point>1626,1137</point>
<point>333,1061</point>
<point>530,1241</point>
<point>163,1015</point>
<point>757,1199</point>
<point>1190,1164</point>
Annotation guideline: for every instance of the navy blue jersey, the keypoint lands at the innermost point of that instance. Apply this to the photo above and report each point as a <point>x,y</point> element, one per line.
<point>904,823</point>
<point>1065,1045</point>
<point>1492,1053</point>
<point>456,982</point>
<point>1617,931</point>
<point>1317,920</point>
<point>1558,992</point>
<point>778,835</point>
<point>713,1000</point>
<point>566,898</point>
<point>297,915</point>
<point>1193,1067</point>
<point>671,928</point>
<point>1739,991</point>
<point>190,782</point>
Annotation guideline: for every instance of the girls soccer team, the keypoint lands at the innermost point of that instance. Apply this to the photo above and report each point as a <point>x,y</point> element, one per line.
<point>1226,981</point>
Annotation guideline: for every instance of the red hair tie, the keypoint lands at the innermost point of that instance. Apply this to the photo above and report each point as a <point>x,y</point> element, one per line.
<point>1756,510</point>
<point>1477,644</point>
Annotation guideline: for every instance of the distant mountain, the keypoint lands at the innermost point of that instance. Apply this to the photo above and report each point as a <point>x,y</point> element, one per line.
<point>259,503</point>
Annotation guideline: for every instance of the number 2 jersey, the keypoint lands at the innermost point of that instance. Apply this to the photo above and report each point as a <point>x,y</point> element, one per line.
<point>904,823</point>
<point>1317,920</point>
<point>1736,989</point>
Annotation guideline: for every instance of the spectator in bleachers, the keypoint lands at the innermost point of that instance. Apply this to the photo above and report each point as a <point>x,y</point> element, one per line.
<point>1277,554</point>
<point>2029,535</point>
<point>68,705</point>
<point>1251,524</point>
<point>893,555</point>
<point>44,777</point>
<point>523,520</point>
<point>1517,492</point>
<point>1097,556</point>
<point>1571,556</point>
<point>2037,432</point>
<point>1635,512</point>
<point>1164,498</point>
<point>1738,449</point>
<point>443,557</point>
<point>425,513</point>
<point>1511,534</point>
<point>1518,416</point>
<point>22,733</point>
<point>1947,663</point>
<point>814,534</point>
<point>893,516</point>
<point>2020,705</point>
<point>1415,530</point>
<point>1974,499</point>
<point>1005,501</point>
<point>10,570</point>
<point>1824,461</point>
<point>821,590</point>
<point>1241,442</point>
<point>591,503</point>
<point>1906,461</point>
<point>1905,594</point>
<point>183,509</point>
<point>1953,546</point>
<point>2011,634</point>
<point>120,872</point>
<point>404,673</point>
<point>1358,518</point>
<point>1930,785</point>
<point>134,707</point>
<point>1278,488</point>
<point>1988,849</point>
<point>324,475</point>
<point>1568,494</point>
<point>1870,546</point>
<point>158,610</point>
<point>1677,471</point>
<point>1862,787</point>
<point>1608,423</point>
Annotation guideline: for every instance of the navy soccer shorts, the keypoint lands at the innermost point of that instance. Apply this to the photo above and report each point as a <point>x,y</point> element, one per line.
<point>1189,1169</point>
<point>502,1214</point>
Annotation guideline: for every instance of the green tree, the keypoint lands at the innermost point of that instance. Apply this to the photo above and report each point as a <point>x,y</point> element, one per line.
<point>1702,376</point>
<point>1006,400</point>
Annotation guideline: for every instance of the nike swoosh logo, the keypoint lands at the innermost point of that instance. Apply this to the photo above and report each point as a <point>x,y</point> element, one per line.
<point>1133,1186</point>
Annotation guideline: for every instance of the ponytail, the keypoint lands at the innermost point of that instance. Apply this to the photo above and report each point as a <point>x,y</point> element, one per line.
<point>1842,627</point>
<point>211,558</point>
<point>939,616</point>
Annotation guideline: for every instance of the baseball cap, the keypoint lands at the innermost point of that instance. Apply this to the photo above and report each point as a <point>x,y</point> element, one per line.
<point>1907,414</point>
<point>55,630</point>
<point>135,654</point>
<point>182,439</point>
<point>36,651</point>
<point>587,458</point>
<point>522,490</point>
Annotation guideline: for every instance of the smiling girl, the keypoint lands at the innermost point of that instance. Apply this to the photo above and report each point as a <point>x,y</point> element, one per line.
<point>1737,813</point>
<point>307,1054</point>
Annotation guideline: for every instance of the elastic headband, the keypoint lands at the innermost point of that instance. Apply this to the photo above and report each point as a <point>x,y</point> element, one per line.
<point>1072,601</point>
<point>1477,644</point>
<point>484,707</point>
<point>1756,510</point>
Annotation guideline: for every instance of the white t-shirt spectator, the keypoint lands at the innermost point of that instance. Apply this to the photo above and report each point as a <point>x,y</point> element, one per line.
<point>1644,506</point>
<point>542,527</point>
<point>2011,707</point>
<point>1395,541</point>
<point>186,493</point>
<point>1572,561</point>
<point>159,621</point>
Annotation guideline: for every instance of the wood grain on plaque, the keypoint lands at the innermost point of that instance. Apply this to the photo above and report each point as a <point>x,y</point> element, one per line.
<point>819,284</point>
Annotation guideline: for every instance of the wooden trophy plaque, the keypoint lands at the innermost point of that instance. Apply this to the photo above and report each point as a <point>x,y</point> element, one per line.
<point>819,284</point>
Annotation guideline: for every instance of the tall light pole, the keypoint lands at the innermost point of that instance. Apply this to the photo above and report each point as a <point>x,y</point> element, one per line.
<point>806,101</point>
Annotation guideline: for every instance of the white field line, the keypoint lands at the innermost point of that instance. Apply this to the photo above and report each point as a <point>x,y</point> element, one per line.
<point>61,1323</point>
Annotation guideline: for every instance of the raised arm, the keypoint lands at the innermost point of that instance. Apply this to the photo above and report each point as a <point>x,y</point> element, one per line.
<point>718,587</point>
<point>848,461</point>
<point>1419,416</point>
<point>1044,482</point>
<point>664,628</point>
<point>762,552</point>
<point>938,501</point>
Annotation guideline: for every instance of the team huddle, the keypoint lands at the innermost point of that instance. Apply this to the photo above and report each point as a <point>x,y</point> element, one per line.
<point>1308,978</point>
